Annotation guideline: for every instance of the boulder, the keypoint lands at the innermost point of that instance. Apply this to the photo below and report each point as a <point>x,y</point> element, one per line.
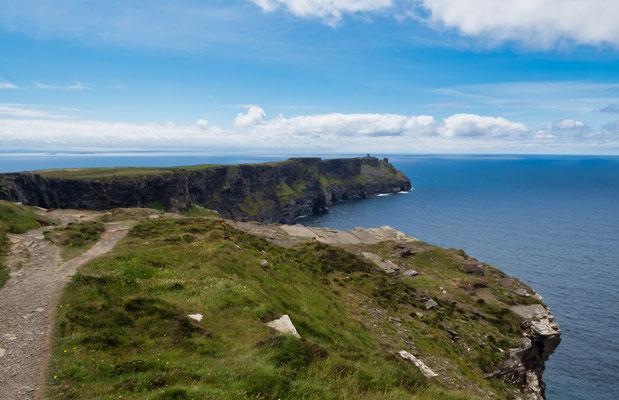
<point>284,325</point>
<point>473,268</point>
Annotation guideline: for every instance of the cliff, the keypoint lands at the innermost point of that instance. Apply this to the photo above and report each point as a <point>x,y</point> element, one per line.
<point>209,307</point>
<point>270,192</point>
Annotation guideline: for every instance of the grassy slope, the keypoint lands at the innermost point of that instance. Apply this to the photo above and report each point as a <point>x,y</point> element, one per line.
<point>15,219</point>
<point>122,328</point>
<point>75,239</point>
<point>115,172</point>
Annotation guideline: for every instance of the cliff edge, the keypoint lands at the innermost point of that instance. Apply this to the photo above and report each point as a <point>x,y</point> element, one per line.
<point>269,192</point>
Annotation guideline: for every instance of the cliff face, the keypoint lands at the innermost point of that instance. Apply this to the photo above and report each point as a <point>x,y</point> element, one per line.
<point>272,192</point>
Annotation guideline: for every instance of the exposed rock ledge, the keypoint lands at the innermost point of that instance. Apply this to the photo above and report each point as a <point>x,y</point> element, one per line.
<point>525,365</point>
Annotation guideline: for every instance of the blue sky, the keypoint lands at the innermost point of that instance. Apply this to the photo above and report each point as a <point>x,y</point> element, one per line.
<point>315,76</point>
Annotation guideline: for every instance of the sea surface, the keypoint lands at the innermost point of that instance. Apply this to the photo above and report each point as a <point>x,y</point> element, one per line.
<point>551,221</point>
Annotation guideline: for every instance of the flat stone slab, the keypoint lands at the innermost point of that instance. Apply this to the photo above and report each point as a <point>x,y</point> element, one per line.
<point>383,264</point>
<point>284,325</point>
<point>531,311</point>
<point>356,236</point>
<point>425,370</point>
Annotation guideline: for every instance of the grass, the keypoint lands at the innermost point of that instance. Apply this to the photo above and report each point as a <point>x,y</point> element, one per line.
<point>75,238</point>
<point>122,330</point>
<point>15,218</point>
<point>197,211</point>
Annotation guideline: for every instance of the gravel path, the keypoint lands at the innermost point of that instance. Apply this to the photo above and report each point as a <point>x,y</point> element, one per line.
<point>28,300</point>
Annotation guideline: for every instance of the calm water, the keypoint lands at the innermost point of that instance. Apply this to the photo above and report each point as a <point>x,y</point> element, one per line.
<point>551,221</point>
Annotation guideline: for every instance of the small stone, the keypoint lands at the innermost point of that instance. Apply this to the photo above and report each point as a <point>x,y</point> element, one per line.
<point>419,314</point>
<point>264,263</point>
<point>522,292</point>
<point>39,309</point>
<point>2,352</point>
<point>195,317</point>
<point>409,273</point>
<point>430,304</point>
<point>284,325</point>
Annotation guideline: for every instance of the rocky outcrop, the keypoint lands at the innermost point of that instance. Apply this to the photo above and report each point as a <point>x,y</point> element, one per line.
<point>525,365</point>
<point>270,192</point>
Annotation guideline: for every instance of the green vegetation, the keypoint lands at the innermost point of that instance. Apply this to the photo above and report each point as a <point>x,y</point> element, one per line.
<point>197,211</point>
<point>122,328</point>
<point>116,172</point>
<point>75,239</point>
<point>15,218</point>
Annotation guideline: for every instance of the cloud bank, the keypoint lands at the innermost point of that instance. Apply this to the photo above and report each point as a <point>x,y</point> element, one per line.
<point>26,127</point>
<point>539,23</point>
<point>330,11</point>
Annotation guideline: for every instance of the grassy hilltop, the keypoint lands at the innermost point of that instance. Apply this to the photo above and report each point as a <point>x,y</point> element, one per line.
<point>122,329</point>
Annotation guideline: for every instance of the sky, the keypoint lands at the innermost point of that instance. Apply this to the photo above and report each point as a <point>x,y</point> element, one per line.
<point>311,76</point>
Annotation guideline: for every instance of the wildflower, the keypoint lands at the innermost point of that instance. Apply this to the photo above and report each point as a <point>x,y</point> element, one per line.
<point>65,351</point>
<point>55,376</point>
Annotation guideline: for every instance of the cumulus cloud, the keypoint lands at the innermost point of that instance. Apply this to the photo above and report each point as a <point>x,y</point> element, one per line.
<point>471,125</point>
<point>571,127</point>
<point>74,86</point>
<point>330,11</point>
<point>39,129</point>
<point>538,23</point>
<point>254,115</point>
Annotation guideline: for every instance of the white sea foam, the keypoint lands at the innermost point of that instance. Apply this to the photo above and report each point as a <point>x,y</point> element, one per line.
<point>383,194</point>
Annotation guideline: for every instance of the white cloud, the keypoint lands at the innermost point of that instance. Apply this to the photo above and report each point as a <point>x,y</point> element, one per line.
<point>7,85</point>
<point>74,86</point>
<point>563,128</point>
<point>330,11</point>
<point>29,111</point>
<point>471,125</point>
<point>537,23</point>
<point>35,128</point>
<point>255,115</point>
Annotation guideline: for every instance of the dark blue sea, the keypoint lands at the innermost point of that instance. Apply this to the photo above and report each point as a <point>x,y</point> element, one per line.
<point>551,221</point>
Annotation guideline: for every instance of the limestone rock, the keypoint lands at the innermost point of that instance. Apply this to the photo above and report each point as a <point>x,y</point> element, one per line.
<point>473,268</point>
<point>522,292</point>
<point>284,325</point>
<point>386,265</point>
<point>409,273</point>
<point>195,317</point>
<point>425,370</point>
<point>430,304</point>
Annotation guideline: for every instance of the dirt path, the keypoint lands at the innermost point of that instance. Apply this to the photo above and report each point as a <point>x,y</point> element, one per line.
<point>28,300</point>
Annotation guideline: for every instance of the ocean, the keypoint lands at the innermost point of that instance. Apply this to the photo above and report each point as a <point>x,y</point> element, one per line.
<point>551,221</point>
